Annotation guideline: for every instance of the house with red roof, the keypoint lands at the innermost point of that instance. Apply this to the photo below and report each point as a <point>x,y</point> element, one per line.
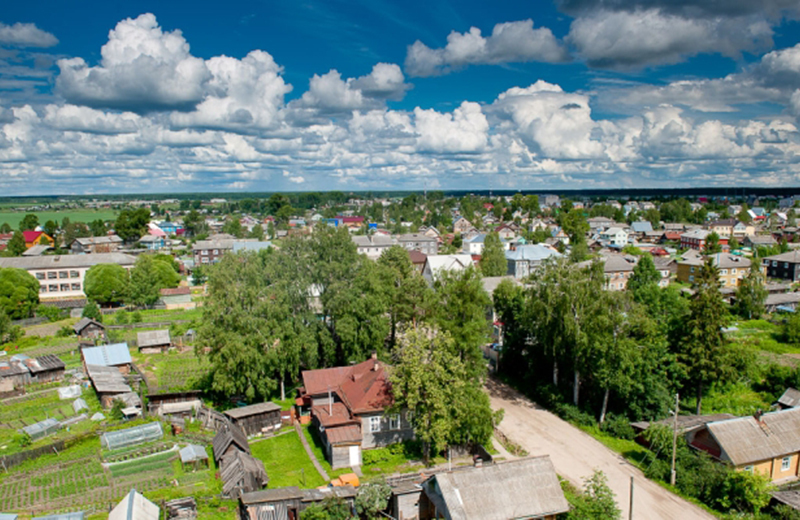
<point>349,405</point>
<point>35,238</point>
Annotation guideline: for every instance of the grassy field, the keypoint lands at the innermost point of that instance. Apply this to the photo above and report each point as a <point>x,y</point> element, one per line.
<point>286,462</point>
<point>13,218</point>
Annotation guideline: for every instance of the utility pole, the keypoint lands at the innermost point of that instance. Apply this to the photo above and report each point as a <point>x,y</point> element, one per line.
<point>630,510</point>
<point>674,439</point>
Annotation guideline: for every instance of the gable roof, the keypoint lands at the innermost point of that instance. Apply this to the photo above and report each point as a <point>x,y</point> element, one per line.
<point>67,261</point>
<point>363,388</point>
<point>746,439</point>
<point>253,409</point>
<point>791,256</point>
<point>135,507</point>
<point>107,380</point>
<point>532,252</point>
<point>85,322</point>
<point>241,473</point>
<point>107,355</point>
<point>231,435</point>
<point>518,489</point>
<point>153,338</point>
<point>30,236</point>
<point>642,226</point>
<point>448,262</point>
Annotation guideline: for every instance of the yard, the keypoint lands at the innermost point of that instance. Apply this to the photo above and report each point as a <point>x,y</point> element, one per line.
<point>286,461</point>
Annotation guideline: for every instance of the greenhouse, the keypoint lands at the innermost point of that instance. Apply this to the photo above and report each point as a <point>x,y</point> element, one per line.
<point>42,429</point>
<point>79,515</point>
<point>79,404</point>
<point>69,392</point>
<point>131,436</point>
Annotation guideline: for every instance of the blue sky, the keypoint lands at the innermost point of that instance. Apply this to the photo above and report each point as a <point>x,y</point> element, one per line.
<point>103,97</point>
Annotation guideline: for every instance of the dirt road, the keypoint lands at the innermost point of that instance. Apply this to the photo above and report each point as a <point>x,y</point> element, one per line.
<point>576,455</point>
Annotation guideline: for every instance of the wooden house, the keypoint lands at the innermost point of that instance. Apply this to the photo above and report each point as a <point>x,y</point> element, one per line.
<point>115,355</point>
<point>153,341</point>
<point>228,440</point>
<point>241,473</point>
<point>174,404</point>
<point>525,488</point>
<point>256,418</point>
<point>46,369</point>
<point>111,386</point>
<point>766,444</point>
<point>288,503</point>
<point>87,328</point>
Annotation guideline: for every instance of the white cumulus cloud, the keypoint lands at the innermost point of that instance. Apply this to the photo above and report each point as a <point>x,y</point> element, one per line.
<point>509,42</point>
<point>25,35</point>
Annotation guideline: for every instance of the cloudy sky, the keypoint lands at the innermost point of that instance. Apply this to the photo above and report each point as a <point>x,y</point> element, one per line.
<point>98,97</point>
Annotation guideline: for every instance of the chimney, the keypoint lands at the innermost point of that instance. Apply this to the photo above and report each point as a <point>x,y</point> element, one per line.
<point>376,364</point>
<point>757,415</point>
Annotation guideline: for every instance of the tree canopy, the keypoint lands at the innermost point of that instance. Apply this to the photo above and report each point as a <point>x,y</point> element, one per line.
<point>493,258</point>
<point>19,293</point>
<point>131,224</point>
<point>106,284</point>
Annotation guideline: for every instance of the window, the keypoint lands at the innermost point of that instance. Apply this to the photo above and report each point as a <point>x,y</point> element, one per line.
<point>204,252</point>
<point>733,271</point>
<point>774,263</point>
<point>748,469</point>
<point>786,265</point>
<point>76,287</point>
<point>52,275</point>
<point>40,276</point>
<point>74,274</point>
<point>216,251</point>
<point>691,278</point>
<point>410,417</point>
<point>43,288</point>
<point>374,424</point>
<point>65,287</point>
<point>786,463</point>
<point>53,288</point>
<point>63,274</point>
<point>723,271</point>
<point>394,422</point>
<point>691,269</point>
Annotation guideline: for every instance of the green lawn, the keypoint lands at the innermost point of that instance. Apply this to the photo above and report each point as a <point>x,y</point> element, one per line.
<point>13,218</point>
<point>403,457</point>
<point>286,462</point>
<point>311,436</point>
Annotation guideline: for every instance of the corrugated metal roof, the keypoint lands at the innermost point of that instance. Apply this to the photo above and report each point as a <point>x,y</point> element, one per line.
<point>348,434</point>
<point>107,355</point>
<point>107,380</point>
<point>532,252</point>
<point>526,488</point>
<point>745,439</point>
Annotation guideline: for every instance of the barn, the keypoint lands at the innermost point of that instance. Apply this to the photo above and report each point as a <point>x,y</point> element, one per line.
<point>153,341</point>
<point>257,418</point>
<point>87,328</point>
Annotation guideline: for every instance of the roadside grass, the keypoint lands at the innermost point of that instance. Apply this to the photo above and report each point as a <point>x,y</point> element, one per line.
<point>286,461</point>
<point>403,457</point>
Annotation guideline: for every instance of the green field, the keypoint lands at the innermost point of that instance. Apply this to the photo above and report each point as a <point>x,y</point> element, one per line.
<point>13,218</point>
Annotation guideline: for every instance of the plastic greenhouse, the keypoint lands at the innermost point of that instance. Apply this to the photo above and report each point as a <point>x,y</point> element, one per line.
<point>42,428</point>
<point>79,404</point>
<point>131,436</point>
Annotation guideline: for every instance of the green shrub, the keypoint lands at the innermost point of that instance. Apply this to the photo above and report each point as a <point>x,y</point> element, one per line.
<point>121,317</point>
<point>49,312</point>
<point>136,317</point>
<point>618,426</point>
<point>574,415</point>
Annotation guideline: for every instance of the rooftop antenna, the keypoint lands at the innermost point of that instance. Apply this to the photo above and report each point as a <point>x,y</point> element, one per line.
<point>330,403</point>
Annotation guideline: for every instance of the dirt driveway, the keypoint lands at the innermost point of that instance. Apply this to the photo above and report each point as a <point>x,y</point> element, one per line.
<point>576,455</point>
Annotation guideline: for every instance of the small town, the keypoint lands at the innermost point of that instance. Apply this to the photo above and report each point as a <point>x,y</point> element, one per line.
<point>400,260</point>
<point>322,356</point>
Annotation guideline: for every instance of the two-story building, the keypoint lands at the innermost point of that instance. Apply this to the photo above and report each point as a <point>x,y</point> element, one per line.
<point>523,260</point>
<point>419,242</point>
<point>349,407</point>
<point>372,245</point>
<point>785,266</point>
<point>211,251</point>
<point>732,268</point>
<point>105,244</point>
<point>62,277</point>
<point>614,236</point>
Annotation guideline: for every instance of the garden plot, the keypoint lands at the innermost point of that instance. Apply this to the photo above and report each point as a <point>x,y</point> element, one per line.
<point>173,371</point>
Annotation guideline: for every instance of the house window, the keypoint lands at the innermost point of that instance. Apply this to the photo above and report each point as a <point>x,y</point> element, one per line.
<point>65,287</point>
<point>216,251</point>
<point>724,271</point>
<point>691,270</point>
<point>733,271</point>
<point>40,276</point>
<point>774,263</point>
<point>410,417</point>
<point>394,422</point>
<point>374,424</point>
<point>691,278</point>
<point>43,288</point>
<point>76,287</point>
<point>52,275</point>
<point>63,274</point>
<point>748,469</point>
<point>786,265</point>
<point>74,274</point>
<point>53,288</point>
<point>786,463</point>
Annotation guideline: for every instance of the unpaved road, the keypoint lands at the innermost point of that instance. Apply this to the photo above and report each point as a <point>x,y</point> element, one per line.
<point>576,455</point>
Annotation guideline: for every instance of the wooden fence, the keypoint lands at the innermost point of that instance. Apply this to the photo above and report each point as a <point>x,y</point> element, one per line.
<point>15,459</point>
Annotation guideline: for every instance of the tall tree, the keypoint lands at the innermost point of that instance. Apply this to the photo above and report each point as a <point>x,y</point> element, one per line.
<point>19,293</point>
<point>131,224</point>
<point>409,297</point>
<point>233,226</point>
<point>433,383</point>
<point>144,286</point>
<point>743,215</point>
<point>712,245</point>
<point>493,259</point>
<point>29,222</point>
<point>16,246</point>
<point>50,228</point>
<point>461,311</point>
<point>703,352</point>
<point>644,274</point>
<point>751,295</point>
<point>98,228</point>
<point>73,230</point>
<point>106,284</point>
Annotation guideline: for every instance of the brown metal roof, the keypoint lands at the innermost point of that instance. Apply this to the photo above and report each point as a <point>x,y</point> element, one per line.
<point>348,434</point>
